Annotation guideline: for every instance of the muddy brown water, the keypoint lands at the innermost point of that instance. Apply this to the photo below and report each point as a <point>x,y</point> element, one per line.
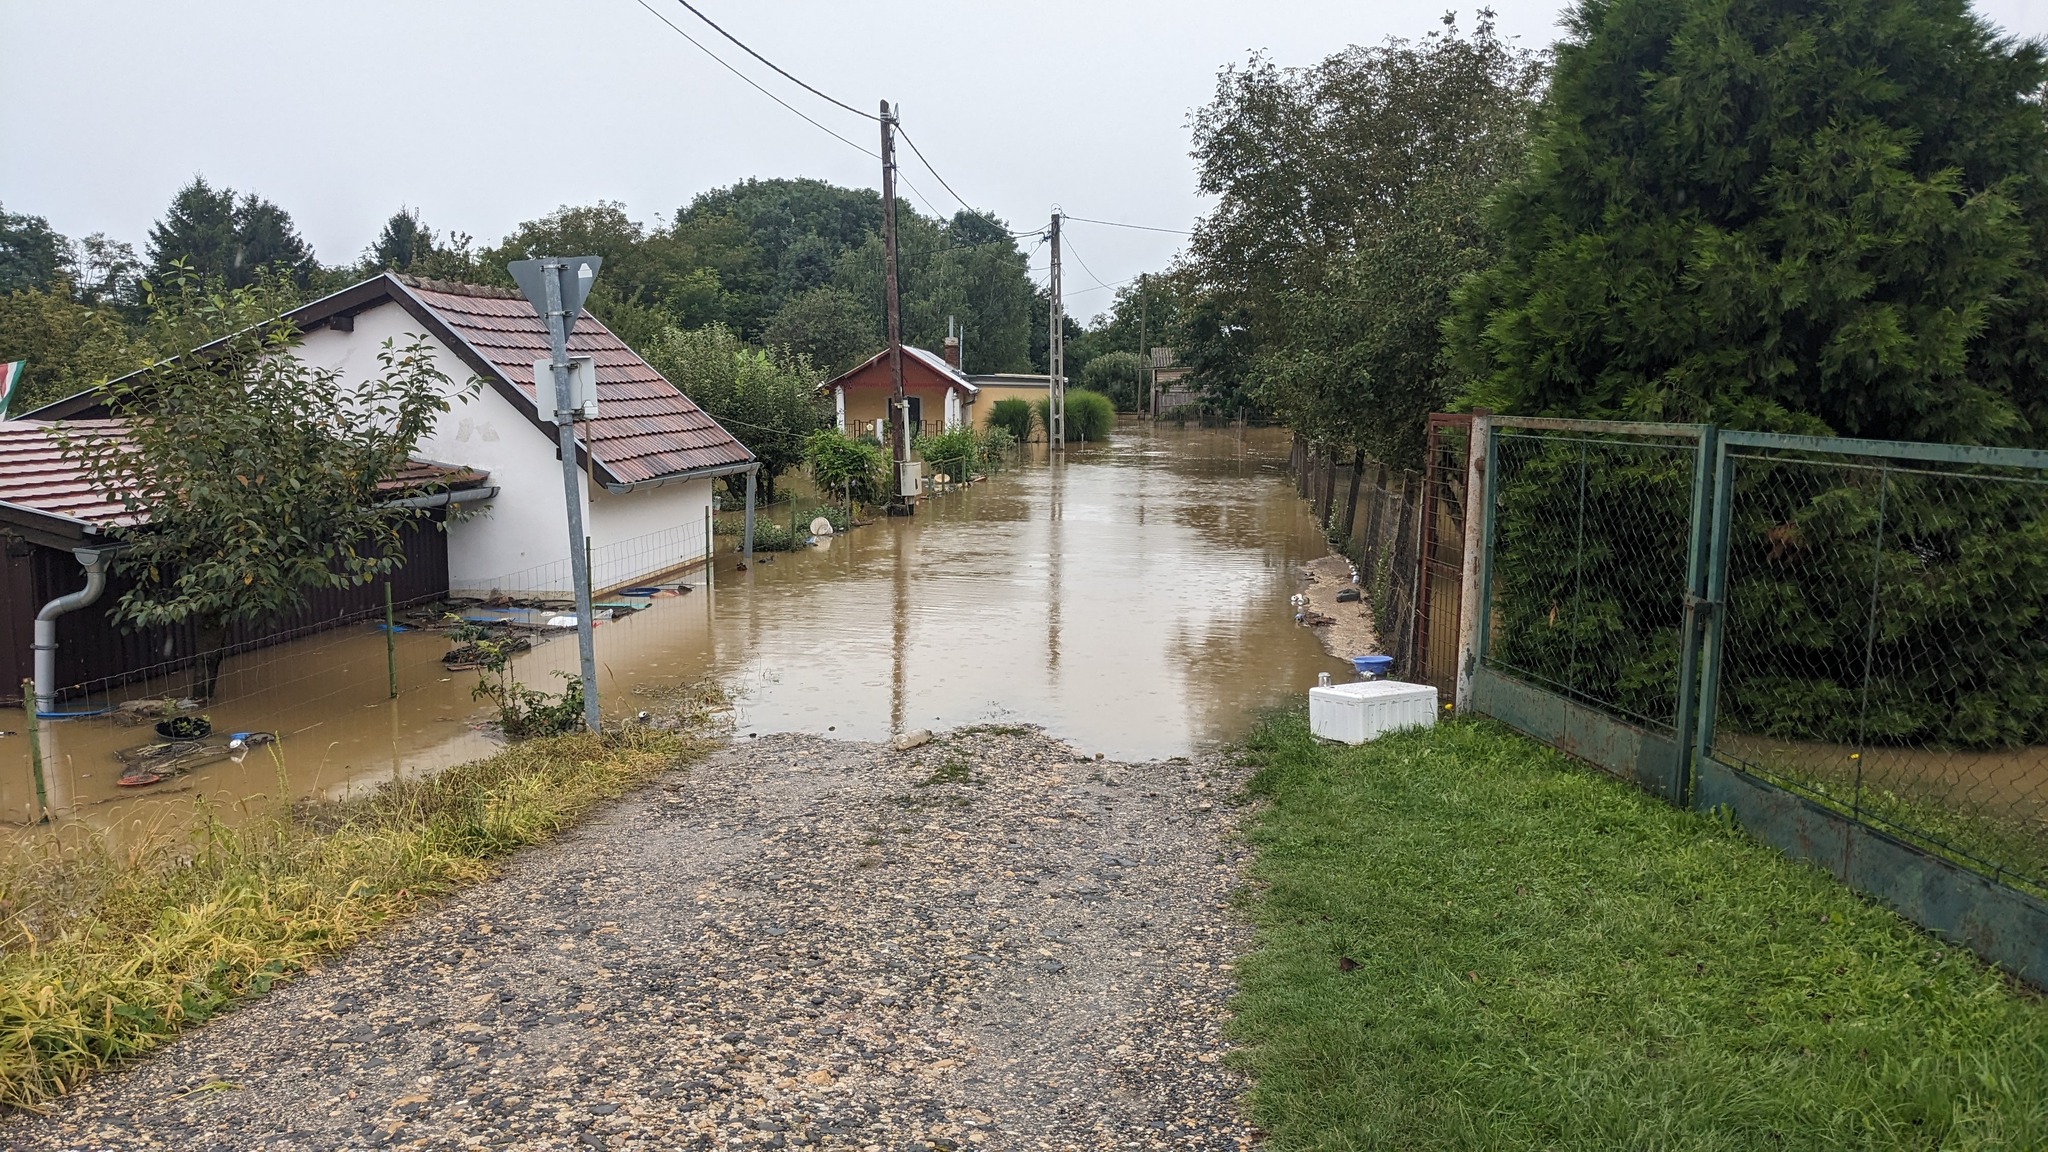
<point>1132,599</point>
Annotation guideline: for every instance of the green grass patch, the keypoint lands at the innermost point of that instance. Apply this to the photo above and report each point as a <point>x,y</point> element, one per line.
<point>1466,940</point>
<point>104,957</point>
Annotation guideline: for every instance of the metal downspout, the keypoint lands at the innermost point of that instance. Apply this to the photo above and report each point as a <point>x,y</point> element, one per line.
<point>46,625</point>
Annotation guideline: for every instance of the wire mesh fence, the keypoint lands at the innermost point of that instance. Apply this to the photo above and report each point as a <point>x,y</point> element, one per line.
<point>1439,592</point>
<point>1589,566</point>
<point>1372,513</point>
<point>1885,646</point>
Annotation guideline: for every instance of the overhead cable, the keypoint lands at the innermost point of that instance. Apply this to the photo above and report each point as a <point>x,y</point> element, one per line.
<point>772,64</point>
<point>1138,227</point>
<point>750,80</point>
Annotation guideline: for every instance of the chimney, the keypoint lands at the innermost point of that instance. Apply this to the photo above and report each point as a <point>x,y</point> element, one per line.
<point>953,352</point>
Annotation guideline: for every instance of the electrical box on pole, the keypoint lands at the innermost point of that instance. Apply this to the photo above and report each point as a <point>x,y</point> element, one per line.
<point>582,387</point>
<point>557,287</point>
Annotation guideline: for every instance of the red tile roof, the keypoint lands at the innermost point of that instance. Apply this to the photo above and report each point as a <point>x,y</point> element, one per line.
<point>35,475</point>
<point>645,428</point>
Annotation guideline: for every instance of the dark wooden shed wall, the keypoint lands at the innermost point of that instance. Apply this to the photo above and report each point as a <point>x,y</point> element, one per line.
<point>92,649</point>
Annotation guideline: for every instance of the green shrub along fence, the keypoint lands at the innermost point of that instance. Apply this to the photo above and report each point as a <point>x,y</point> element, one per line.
<point>1842,642</point>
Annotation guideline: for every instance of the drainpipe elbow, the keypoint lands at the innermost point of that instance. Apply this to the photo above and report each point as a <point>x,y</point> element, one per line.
<point>45,645</point>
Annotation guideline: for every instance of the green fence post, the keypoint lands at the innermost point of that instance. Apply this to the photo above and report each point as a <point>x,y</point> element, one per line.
<point>1697,608</point>
<point>1716,608</point>
<point>1482,632</point>
<point>35,749</point>
<point>390,643</point>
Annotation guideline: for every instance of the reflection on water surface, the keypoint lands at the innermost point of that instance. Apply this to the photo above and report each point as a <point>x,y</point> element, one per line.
<point>1132,600</point>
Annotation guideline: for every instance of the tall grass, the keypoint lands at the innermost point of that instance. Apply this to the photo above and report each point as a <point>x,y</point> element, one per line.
<point>1467,941</point>
<point>1090,415</point>
<point>105,955</point>
<point>1013,415</point>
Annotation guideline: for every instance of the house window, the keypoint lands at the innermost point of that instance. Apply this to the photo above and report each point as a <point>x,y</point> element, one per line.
<point>916,413</point>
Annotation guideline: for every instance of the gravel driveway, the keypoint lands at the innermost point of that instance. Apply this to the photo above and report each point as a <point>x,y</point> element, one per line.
<point>984,942</point>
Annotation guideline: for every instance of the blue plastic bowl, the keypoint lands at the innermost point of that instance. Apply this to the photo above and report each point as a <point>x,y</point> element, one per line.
<point>1372,665</point>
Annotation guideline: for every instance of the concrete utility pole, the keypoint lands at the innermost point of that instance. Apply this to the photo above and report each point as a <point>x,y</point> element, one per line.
<point>1150,404</point>
<point>1056,354</point>
<point>899,411</point>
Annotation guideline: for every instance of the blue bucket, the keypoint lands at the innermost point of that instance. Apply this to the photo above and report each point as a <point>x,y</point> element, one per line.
<point>1372,665</point>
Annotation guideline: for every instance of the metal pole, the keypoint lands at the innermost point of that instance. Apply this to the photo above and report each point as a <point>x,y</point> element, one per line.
<point>1056,351</point>
<point>747,533</point>
<point>899,410</point>
<point>572,495</point>
<point>390,642</point>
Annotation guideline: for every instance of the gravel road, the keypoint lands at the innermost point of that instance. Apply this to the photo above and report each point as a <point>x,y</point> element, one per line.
<point>984,942</point>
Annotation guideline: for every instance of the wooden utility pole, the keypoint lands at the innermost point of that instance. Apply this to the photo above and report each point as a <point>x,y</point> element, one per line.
<point>1056,353</point>
<point>899,411</point>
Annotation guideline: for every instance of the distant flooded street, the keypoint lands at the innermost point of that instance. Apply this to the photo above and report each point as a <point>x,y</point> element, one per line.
<point>1133,600</point>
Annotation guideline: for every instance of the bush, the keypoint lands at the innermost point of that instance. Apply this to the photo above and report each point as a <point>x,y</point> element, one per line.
<point>958,451</point>
<point>1090,416</point>
<point>841,464</point>
<point>1117,375</point>
<point>1013,416</point>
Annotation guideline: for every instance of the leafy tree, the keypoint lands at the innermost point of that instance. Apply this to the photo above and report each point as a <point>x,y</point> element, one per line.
<point>217,236</point>
<point>828,325</point>
<point>33,256</point>
<point>1117,375</point>
<point>253,476</point>
<point>107,272</point>
<point>840,464</point>
<point>1807,215</point>
<point>1348,207</point>
<point>69,346</point>
<point>768,400</point>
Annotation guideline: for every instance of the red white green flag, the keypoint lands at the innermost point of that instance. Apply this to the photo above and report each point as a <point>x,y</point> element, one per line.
<point>10,383</point>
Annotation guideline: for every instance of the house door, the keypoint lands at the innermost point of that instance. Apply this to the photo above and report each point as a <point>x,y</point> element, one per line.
<point>914,409</point>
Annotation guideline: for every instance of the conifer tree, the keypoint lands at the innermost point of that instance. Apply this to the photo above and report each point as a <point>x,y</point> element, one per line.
<point>1778,214</point>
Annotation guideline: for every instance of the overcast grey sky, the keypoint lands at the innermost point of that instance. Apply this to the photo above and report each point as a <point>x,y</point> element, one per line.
<point>483,113</point>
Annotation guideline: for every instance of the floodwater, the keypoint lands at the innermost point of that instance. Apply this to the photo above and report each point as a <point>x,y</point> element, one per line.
<point>1133,599</point>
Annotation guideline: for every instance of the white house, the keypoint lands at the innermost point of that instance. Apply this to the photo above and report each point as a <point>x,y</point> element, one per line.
<point>649,459</point>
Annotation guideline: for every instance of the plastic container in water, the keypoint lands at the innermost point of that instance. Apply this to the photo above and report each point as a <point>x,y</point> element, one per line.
<point>1372,665</point>
<point>1356,713</point>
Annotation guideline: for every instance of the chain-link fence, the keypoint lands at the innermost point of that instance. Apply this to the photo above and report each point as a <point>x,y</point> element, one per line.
<point>1372,514</point>
<point>1588,579</point>
<point>1884,649</point>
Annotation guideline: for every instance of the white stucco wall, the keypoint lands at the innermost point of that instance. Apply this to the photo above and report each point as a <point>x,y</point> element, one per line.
<point>518,543</point>
<point>648,531</point>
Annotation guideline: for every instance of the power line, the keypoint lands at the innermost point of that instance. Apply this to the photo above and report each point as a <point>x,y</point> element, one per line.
<point>1139,227</point>
<point>1084,265</point>
<point>971,209</point>
<point>772,64</point>
<point>750,80</point>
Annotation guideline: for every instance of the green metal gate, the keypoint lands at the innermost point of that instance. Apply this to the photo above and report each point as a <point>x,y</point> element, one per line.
<point>1590,575</point>
<point>1843,643</point>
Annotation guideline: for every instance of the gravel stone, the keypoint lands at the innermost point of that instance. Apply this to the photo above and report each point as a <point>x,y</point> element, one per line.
<point>984,942</point>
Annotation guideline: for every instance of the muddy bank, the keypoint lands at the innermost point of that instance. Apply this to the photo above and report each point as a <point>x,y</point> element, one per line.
<point>985,941</point>
<point>1343,627</point>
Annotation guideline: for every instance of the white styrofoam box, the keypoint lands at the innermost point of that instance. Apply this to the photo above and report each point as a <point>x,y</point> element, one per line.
<point>1356,713</point>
